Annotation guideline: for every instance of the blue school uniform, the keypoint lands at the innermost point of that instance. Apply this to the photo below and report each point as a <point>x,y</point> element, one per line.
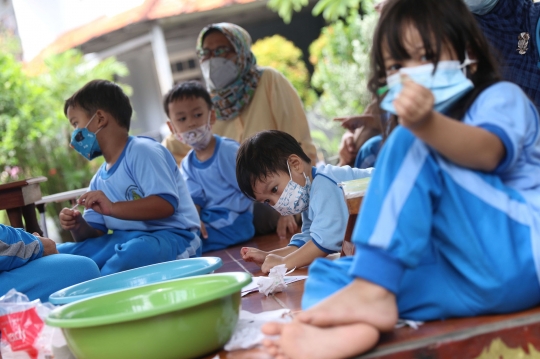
<point>145,168</point>
<point>502,21</point>
<point>325,220</point>
<point>447,240</point>
<point>23,267</point>
<point>225,211</point>
<point>367,155</point>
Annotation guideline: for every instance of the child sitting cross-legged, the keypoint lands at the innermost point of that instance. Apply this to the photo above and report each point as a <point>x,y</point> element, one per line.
<point>209,168</point>
<point>450,224</point>
<point>272,168</point>
<point>138,192</point>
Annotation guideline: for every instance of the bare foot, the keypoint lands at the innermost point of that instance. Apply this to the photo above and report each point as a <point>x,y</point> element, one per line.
<point>359,302</point>
<point>253,255</point>
<point>299,340</point>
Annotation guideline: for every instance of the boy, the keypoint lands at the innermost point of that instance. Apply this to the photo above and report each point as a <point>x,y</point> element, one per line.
<point>138,192</point>
<point>31,265</point>
<point>209,168</point>
<point>272,168</point>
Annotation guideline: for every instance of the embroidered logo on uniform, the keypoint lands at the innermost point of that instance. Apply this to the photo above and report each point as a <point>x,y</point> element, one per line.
<point>523,43</point>
<point>132,193</point>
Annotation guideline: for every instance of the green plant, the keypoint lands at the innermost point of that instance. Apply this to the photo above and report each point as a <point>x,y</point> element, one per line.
<point>34,133</point>
<point>341,60</point>
<point>281,54</point>
<point>331,10</point>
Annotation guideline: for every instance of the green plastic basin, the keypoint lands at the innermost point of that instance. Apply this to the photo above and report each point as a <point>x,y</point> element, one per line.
<point>182,318</point>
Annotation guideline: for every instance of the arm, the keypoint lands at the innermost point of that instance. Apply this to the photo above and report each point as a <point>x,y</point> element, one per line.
<point>18,247</point>
<point>297,258</point>
<point>465,145</point>
<point>288,112</point>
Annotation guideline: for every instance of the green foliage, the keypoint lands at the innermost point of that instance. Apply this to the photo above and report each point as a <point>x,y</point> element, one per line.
<point>341,59</point>
<point>281,54</point>
<point>331,10</point>
<point>34,133</point>
<point>285,8</point>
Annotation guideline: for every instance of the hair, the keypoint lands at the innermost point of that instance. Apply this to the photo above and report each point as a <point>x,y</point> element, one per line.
<point>262,154</point>
<point>102,95</point>
<point>439,22</point>
<point>188,89</point>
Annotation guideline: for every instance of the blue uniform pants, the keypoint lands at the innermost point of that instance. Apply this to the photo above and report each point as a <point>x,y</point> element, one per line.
<point>41,277</point>
<point>448,241</point>
<point>226,228</point>
<point>123,250</point>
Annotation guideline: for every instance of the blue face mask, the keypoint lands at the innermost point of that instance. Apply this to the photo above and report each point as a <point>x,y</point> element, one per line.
<point>448,84</point>
<point>85,142</point>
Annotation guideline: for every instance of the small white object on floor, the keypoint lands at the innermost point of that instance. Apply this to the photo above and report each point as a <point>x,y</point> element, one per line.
<point>247,333</point>
<point>275,282</point>
<point>408,323</point>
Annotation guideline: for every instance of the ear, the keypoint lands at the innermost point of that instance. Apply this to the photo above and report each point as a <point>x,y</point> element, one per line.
<point>171,127</point>
<point>102,118</point>
<point>296,164</point>
<point>212,117</point>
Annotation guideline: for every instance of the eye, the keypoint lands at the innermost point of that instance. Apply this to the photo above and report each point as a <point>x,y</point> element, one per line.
<point>181,119</point>
<point>274,190</point>
<point>197,115</point>
<point>393,68</point>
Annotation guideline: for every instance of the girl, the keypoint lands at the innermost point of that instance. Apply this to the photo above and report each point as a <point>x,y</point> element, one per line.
<point>451,220</point>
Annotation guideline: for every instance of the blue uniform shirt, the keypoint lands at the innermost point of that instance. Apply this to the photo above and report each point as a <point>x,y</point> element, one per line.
<point>17,247</point>
<point>325,220</point>
<point>212,183</point>
<point>145,168</point>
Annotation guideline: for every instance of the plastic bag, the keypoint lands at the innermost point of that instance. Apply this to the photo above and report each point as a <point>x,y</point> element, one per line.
<point>24,334</point>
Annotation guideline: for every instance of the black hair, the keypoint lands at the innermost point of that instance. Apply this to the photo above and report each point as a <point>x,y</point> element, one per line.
<point>188,89</point>
<point>102,95</point>
<point>439,22</point>
<point>262,154</point>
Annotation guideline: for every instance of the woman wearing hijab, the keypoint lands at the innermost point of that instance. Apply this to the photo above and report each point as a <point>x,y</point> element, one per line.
<point>248,99</point>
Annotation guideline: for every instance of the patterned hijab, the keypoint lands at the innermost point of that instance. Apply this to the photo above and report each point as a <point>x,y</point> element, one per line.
<point>230,100</point>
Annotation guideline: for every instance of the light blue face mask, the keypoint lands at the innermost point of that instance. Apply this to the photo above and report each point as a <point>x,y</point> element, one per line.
<point>448,84</point>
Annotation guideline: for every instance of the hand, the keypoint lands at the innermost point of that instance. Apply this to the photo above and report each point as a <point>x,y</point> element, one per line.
<point>271,261</point>
<point>98,201</point>
<point>70,219</point>
<point>347,149</point>
<point>253,255</point>
<point>414,105</point>
<point>204,233</point>
<point>351,123</point>
<point>286,223</point>
<point>49,246</point>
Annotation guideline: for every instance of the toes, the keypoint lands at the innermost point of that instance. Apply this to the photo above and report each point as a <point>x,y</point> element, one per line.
<point>272,328</point>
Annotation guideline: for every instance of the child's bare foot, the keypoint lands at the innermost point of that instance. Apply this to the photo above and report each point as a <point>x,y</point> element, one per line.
<point>359,302</point>
<point>299,340</point>
<point>253,255</point>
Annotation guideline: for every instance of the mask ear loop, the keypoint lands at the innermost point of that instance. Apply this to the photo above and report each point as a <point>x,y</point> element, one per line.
<point>290,175</point>
<point>99,129</point>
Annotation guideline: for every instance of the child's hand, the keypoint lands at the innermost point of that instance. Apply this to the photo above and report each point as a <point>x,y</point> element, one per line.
<point>271,261</point>
<point>253,255</point>
<point>204,233</point>
<point>70,219</point>
<point>49,246</point>
<point>286,223</point>
<point>414,105</point>
<point>97,201</point>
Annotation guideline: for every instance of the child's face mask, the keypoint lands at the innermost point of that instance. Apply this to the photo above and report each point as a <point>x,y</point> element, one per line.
<point>85,142</point>
<point>295,198</point>
<point>448,84</point>
<point>197,138</point>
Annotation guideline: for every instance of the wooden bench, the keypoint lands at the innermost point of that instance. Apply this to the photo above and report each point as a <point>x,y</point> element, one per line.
<point>353,192</point>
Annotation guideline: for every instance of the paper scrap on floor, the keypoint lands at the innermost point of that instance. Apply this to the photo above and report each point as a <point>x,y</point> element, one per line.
<point>247,333</point>
<point>276,281</point>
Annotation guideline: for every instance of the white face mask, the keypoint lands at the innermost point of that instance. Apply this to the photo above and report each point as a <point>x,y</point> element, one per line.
<point>218,72</point>
<point>197,138</point>
<point>294,198</point>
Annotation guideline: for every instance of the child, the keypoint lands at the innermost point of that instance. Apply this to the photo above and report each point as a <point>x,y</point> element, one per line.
<point>272,168</point>
<point>31,265</point>
<point>450,225</point>
<point>209,169</point>
<point>138,192</point>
